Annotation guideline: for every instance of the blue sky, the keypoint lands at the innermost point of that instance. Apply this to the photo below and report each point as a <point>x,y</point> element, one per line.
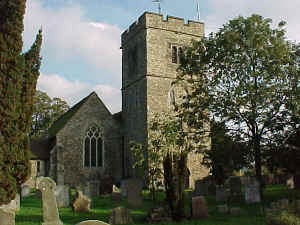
<point>81,48</point>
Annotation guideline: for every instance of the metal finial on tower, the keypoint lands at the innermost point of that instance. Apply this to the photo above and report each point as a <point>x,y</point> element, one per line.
<point>159,8</point>
<point>198,10</point>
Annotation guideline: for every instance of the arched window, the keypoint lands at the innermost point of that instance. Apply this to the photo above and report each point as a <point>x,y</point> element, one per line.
<point>93,148</point>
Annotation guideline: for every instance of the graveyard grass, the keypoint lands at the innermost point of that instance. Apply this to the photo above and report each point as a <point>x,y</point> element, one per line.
<point>253,214</point>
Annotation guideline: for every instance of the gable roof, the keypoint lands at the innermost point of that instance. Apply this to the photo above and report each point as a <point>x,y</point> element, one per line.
<point>63,119</point>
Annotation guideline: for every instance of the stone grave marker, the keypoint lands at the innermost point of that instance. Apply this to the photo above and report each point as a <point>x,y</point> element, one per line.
<point>199,207</point>
<point>235,211</point>
<point>201,188</point>
<point>235,185</point>
<point>252,194</point>
<point>81,203</point>
<point>222,209</point>
<point>50,212</point>
<point>92,222</point>
<point>25,190</point>
<point>116,195</point>
<point>221,194</point>
<point>134,192</point>
<point>120,215</point>
<point>290,182</point>
<point>62,194</point>
<point>7,212</point>
<point>106,185</point>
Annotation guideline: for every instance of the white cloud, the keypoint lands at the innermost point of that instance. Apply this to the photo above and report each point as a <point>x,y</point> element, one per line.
<point>73,91</point>
<point>68,35</point>
<point>276,10</point>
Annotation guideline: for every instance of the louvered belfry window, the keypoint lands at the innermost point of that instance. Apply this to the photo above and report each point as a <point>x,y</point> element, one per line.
<point>93,148</point>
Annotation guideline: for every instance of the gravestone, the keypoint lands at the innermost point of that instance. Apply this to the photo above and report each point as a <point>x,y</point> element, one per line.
<point>199,208</point>
<point>120,215</point>
<point>235,211</point>
<point>25,190</point>
<point>252,194</point>
<point>7,212</point>
<point>222,209</point>
<point>201,188</point>
<point>124,187</point>
<point>62,194</point>
<point>81,203</point>
<point>50,212</point>
<point>92,222</point>
<point>134,192</point>
<point>116,195</point>
<point>290,182</point>
<point>235,185</point>
<point>221,194</point>
<point>106,185</point>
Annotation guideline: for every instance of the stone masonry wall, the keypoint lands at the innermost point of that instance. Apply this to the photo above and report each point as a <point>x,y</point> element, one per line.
<point>154,39</point>
<point>71,138</point>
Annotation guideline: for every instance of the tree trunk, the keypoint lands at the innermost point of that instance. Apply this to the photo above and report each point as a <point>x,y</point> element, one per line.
<point>258,170</point>
<point>7,217</point>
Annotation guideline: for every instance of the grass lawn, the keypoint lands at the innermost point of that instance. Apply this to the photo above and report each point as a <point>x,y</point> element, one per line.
<point>30,213</point>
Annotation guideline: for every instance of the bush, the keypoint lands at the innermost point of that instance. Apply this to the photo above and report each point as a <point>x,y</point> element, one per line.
<point>283,218</point>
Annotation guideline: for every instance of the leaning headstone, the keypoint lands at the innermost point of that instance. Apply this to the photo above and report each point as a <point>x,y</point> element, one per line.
<point>62,194</point>
<point>252,194</point>
<point>120,215</point>
<point>25,190</point>
<point>50,212</point>
<point>92,222</point>
<point>199,207</point>
<point>7,212</point>
<point>221,194</point>
<point>235,185</point>
<point>134,192</point>
<point>201,188</point>
<point>222,209</point>
<point>82,203</point>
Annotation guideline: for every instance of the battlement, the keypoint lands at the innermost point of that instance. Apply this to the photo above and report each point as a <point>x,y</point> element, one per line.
<point>156,21</point>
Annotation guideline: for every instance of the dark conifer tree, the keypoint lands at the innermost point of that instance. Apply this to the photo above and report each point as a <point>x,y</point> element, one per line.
<point>18,76</point>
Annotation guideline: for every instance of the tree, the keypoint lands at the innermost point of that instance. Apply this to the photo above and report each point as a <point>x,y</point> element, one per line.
<point>18,76</point>
<point>46,111</point>
<point>246,75</point>
<point>226,154</point>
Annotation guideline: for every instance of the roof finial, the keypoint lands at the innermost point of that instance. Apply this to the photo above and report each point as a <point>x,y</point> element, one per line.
<point>198,10</point>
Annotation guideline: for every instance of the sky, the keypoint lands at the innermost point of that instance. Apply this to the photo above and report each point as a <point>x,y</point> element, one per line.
<point>81,46</point>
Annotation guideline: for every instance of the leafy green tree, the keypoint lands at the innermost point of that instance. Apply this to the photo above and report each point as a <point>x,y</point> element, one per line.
<point>247,75</point>
<point>225,155</point>
<point>18,76</point>
<point>46,111</point>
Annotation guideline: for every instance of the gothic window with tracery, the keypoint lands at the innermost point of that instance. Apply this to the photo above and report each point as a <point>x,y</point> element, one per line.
<point>93,148</point>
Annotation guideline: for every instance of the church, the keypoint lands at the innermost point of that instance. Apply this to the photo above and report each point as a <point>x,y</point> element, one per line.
<point>88,143</point>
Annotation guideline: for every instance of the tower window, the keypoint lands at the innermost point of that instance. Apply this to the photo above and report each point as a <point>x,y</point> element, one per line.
<point>180,55</point>
<point>174,54</point>
<point>93,148</point>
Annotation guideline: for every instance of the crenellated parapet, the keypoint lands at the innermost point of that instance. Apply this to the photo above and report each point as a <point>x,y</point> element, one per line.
<point>151,20</point>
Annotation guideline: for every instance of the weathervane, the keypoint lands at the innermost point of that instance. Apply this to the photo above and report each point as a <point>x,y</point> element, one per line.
<point>159,9</point>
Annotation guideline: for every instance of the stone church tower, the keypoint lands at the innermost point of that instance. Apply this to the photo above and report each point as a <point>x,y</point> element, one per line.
<point>151,47</point>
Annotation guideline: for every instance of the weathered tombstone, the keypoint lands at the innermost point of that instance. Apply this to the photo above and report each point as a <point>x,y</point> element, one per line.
<point>235,185</point>
<point>62,194</point>
<point>252,194</point>
<point>124,187</point>
<point>290,182</point>
<point>7,212</point>
<point>134,192</point>
<point>50,212</point>
<point>92,222</point>
<point>235,211</point>
<point>199,207</point>
<point>201,188</point>
<point>116,195</point>
<point>222,209</point>
<point>120,215</point>
<point>106,185</point>
<point>25,190</point>
<point>221,194</point>
<point>82,203</point>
